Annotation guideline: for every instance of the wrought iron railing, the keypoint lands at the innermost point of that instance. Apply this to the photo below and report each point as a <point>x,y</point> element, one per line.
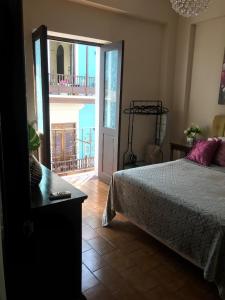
<point>73,164</point>
<point>71,84</point>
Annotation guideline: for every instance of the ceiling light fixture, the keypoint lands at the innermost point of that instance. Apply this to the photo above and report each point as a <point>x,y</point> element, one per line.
<point>189,8</point>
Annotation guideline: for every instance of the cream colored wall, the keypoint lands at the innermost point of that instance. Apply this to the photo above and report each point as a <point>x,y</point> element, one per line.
<point>53,57</point>
<point>67,50</point>
<point>149,47</point>
<point>64,112</point>
<point>197,76</point>
<point>158,11</point>
<point>206,73</point>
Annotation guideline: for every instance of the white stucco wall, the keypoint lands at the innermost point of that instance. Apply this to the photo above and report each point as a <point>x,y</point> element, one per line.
<point>64,112</point>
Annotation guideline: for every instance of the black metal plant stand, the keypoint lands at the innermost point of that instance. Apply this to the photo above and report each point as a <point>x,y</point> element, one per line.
<point>142,107</point>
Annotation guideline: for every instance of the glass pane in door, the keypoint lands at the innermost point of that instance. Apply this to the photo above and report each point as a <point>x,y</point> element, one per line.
<point>38,89</point>
<point>110,88</point>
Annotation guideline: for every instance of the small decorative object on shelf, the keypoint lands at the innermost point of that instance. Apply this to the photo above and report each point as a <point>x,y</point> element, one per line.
<point>34,144</point>
<point>192,132</point>
<point>190,140</point>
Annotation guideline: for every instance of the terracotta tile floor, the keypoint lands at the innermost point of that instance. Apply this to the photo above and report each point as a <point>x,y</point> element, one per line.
<point>122,262</point>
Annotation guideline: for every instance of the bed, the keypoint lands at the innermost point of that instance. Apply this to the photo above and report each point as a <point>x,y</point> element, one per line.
<point>180,203</point>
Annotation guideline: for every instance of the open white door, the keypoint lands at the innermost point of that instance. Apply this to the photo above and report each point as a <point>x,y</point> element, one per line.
<point>111,61</point>
<point>40,54</point>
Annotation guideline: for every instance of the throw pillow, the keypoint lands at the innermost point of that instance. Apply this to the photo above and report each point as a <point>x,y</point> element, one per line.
<point>203,151</point>
<point>222,138</point>
<point>219,158</point>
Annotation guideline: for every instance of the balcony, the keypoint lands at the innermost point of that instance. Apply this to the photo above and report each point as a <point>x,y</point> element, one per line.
<point>73,165</point>
<point>72,150</point>
<point>61,84</point>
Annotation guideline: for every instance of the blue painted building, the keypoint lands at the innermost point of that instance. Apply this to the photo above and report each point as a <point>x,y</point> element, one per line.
<point>86,58</point>
<point>86,131</point>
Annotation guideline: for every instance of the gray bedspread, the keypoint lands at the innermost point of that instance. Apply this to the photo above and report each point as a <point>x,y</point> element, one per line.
<point>181,203</point>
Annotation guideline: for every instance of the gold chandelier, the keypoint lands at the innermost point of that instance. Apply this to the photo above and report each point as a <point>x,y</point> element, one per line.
<point>189,8</point>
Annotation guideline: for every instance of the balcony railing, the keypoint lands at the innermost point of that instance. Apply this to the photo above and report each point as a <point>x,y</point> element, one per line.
<point>72,165</point>
<point>71,85</point>
<point>72,149</point>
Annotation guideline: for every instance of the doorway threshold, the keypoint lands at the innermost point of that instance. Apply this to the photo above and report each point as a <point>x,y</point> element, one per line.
<point>80,178</point>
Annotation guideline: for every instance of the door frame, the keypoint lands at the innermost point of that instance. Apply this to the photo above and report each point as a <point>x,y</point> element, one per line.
<point>41,33</point>
<point>98,46</point>
<point>15,199</point>
<point>119,45</point>
<point>120,105</point>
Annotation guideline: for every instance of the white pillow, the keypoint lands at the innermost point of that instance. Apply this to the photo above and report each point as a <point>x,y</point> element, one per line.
<point>222,138</point>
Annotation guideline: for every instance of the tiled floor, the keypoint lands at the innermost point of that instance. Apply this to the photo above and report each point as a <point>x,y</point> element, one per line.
<point>124,263</point>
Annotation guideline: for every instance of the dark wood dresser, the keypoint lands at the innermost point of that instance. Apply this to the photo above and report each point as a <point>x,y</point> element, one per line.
<point>56,240</point>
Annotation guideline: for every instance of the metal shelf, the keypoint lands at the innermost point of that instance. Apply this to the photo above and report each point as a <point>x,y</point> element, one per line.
<point>142,107</point>
<point>146,110</point>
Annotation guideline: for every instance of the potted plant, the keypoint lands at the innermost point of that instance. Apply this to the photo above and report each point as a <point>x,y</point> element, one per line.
<point>34,144</point>
<point>192,132</point>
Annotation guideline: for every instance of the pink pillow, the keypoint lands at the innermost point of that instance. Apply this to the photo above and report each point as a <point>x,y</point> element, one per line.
<point>203,151</point>
<point>219,157</point>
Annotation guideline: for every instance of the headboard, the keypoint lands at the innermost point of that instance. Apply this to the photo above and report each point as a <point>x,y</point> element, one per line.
<point>218,127</point>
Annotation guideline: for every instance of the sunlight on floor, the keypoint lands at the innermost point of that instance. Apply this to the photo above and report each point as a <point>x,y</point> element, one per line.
<point>80,178</point>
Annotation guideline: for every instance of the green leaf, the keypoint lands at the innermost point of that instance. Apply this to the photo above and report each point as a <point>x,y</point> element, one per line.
<point>34,139</point>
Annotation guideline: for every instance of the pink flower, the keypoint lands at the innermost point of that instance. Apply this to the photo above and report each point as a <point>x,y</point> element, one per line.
<point>65,81</point>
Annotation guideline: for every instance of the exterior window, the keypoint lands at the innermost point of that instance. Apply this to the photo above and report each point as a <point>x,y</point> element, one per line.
<point>60,60</point>
<point>63,141</point>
